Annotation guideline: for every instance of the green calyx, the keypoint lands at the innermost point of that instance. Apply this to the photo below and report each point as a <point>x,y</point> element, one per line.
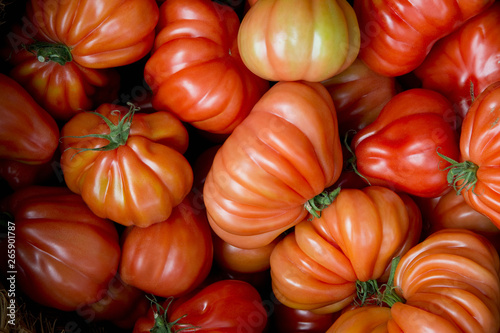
<point>315,205</point>
<point>461,175</point>
<point>161,321</point>
<point>45,52</point>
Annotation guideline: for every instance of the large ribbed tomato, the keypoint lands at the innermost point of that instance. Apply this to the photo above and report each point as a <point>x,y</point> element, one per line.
<point>196,71</point>
<point>283,154</point>
<point>312,42</point>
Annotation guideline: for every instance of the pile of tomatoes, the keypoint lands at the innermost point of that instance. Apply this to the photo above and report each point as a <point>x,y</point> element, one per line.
<point>254,166</point>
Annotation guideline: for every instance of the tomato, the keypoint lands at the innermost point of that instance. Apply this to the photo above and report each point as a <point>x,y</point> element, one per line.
<point>447,283</point>
<point>140,176</point>
<point>169,258</point>
<point>474,176</point>
<point>65,254</point>
<point>283,154</point>
<point>467,56</point>
<point>397,36</point>
<point>326,261</point>
<point>17,174</point>
<point>400,148</point>
<point>196,71</point>
<point>229,306</point>
<point>359,94</point>
<point>312,42</point>
<point>28,133</point>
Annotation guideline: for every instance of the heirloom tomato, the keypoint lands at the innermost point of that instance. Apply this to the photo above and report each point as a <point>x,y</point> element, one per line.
<point>229,306</point>
<point>283,154</point>
<point>325,262</point>
<point>310,40</point>
<point>128,166</point>
<point>195,70</point>
<point>400,148</point>
<point>468,56</point>
<point>449,283</point>
<point>28,133</point>
<point>396,36</point>
<point>475,176</point>
<point>65,254</point>
<point>172,257</point>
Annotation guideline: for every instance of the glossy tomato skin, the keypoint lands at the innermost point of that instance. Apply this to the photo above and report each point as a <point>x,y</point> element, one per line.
<point>290,320</point>
<point>396,37</point>
<point>28,133</point>
<point>169,258</point>
<point>315,41</point>
<point>466,56</point>
<point>284,153</point>
<point>65,254</point>
<point>229,306</point>
<point>317,266</point>
<point>400,148</point>
<point>137,183</point>
<point>100,34</point>
<point>195,70</point>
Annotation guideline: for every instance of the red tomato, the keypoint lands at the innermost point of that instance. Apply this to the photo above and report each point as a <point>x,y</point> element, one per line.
<point>312,42</point>
<point>283,154</point>
<point>140,176</point>
<point>228,306</point>
<point>467,56</point>
<point>196,71</point>
<point>397,36</point>
<point>475,177</point>
<point>400,148</point>
<point>324,263</point>
<point>28,133</point>
<point>65,255</point>
<point>169,258</point>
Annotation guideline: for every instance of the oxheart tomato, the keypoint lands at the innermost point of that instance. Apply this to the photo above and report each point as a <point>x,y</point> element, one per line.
<point>65,254</point>
<point>475,175</point>
<point>128,167</point>
<point>229,306</point>
<point>312,42</point>
<point>196,71</point>
<point>325,262</point>
<point>400,148</point>
<point>468,56</point>
<point>172,257</point>
<point>283,154</point>
<point>397,36</point>
<point>448,283</point>
<point>28,133</point>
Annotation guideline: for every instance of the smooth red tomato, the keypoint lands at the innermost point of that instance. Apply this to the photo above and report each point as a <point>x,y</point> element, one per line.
<point>283,154</point>
<point>169,258</point>
<point>226,306</point>
<point>312,42</point>
<point>196,71</point>
<point>397,36</point>
<point>28,133</point>
<point>324,263</point>
<point>400,148</point>
<point>65,255</point>
<point>468,56</point>
<point>140,176</point>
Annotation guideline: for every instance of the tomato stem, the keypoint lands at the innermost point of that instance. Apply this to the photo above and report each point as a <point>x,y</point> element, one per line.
<point>315,205</point>
<point>45,51</point>
<point>352,161</point>
<point>461,175</point>
<point>162,325</point>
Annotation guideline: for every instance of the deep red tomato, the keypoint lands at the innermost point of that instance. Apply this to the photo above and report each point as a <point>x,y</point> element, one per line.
<point>140,175</point>
<point>475,176</point>
<point>400,148</point>
<point>397,36</point>
<point>227,306</point>
<point>283,154</point>
<point>467,56</point>
<point>325,262</point>
<point>65,254</point>
<point>169,258</point>
<point>312,42</point>
<point>196,71</point>
<point>28,133</point>
<point>18,174</point>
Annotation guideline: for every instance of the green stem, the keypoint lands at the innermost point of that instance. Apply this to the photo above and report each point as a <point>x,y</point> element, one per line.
<point>461,175</point>
<point>315,205</point>
<point>45,52</point>
<point>366,289</point>
<point>352,161</point>
<point>162,325</point>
